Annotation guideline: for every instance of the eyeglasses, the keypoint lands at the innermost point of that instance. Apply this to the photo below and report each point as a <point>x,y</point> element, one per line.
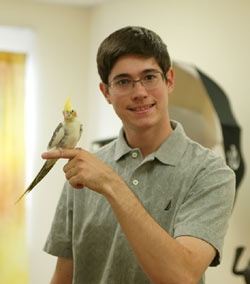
<point>124,84</point>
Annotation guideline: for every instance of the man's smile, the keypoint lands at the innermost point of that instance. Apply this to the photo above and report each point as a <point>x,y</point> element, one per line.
<point>141,108</point>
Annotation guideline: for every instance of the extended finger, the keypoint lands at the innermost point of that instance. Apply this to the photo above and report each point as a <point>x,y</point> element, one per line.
<point>61,154</point>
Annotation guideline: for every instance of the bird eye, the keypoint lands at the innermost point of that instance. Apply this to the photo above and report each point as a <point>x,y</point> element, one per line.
<point>72,111</point>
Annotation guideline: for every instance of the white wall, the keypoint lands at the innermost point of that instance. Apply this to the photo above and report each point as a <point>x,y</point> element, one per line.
<point>212,34</point>
<point>60,57</point>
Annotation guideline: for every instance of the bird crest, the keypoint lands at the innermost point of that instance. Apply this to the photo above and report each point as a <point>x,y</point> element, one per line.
<point>68,106</point>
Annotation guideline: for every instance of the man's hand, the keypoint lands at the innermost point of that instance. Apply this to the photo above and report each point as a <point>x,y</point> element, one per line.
<point>85,169</point>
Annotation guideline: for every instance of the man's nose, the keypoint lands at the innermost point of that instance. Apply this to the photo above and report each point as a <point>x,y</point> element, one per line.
<point>138,92</point>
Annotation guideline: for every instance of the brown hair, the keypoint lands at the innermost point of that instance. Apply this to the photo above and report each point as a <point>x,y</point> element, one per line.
<point>131,40</point>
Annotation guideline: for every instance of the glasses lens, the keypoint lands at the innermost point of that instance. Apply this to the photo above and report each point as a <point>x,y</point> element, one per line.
<point>121,85</point>
<point>152,80</point>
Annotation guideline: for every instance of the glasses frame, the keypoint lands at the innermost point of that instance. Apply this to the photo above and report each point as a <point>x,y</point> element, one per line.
<point>164,77</point>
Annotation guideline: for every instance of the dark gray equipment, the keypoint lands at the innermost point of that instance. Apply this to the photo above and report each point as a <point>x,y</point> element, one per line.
<point>246,272</point>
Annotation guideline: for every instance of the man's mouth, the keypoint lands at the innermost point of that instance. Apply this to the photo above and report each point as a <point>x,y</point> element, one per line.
<point>141,108</point>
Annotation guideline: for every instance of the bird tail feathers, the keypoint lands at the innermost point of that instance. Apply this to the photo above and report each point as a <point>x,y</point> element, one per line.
<point>48,165</point>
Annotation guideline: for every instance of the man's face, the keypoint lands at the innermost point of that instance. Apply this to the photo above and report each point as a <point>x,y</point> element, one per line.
<point>139,108</point>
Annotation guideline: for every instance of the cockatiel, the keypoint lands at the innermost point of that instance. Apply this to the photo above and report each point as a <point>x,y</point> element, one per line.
<point>66,135</point>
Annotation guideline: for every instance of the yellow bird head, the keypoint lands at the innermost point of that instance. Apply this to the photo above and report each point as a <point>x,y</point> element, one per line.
<point>68,111</point>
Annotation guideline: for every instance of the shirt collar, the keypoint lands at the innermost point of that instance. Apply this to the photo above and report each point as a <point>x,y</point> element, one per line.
<point>170,151</point>
<point>121,147</point>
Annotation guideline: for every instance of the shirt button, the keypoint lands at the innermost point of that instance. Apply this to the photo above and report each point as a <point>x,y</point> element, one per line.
<point>134,155</point>
<point>135,182</point>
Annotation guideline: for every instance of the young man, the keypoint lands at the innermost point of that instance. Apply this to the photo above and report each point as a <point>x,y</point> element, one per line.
<point>155,205</point>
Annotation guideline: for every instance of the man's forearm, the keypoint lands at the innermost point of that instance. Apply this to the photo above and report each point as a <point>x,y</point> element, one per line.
<point>162,258</point>
<point>64,271</point>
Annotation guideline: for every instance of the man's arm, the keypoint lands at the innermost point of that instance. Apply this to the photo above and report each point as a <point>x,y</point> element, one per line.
<point>64,271</point>
<point>163,259</point>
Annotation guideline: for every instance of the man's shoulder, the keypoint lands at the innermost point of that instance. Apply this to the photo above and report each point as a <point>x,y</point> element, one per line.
<point>198,153</point>
<point>201,161</point>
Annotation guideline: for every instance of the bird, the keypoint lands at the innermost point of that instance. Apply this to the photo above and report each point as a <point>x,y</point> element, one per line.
<point>65,136</point>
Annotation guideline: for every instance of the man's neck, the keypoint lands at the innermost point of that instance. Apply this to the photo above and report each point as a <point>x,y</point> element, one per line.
<point>147,140</point>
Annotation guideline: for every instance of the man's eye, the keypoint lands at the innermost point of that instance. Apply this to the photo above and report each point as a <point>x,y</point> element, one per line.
<point>122,82</point>
<point>150,77</point>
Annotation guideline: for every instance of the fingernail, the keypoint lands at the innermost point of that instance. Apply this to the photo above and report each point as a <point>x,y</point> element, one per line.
<point>44,155</point>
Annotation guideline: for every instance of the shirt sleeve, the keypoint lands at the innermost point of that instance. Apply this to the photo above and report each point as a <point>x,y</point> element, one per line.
<point>206,210</point>
<point>59,241</point>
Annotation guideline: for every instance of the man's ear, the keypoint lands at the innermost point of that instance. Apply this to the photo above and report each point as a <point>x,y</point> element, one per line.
<point>170,78</point>
<point>104,89</point>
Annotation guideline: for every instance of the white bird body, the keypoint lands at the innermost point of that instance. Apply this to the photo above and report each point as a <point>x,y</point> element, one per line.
<point>65,136</point>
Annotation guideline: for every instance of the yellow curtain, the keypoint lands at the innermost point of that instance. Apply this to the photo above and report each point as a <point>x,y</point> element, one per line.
<point>13,241</point>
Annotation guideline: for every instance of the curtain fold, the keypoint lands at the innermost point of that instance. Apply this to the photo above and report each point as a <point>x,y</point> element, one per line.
<point>13,240</point>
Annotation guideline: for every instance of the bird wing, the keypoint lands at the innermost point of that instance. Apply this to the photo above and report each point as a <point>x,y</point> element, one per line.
<point>57,136</point>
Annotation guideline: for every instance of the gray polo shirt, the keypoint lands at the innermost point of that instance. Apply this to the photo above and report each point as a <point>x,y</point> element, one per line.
<point>185,187</point>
